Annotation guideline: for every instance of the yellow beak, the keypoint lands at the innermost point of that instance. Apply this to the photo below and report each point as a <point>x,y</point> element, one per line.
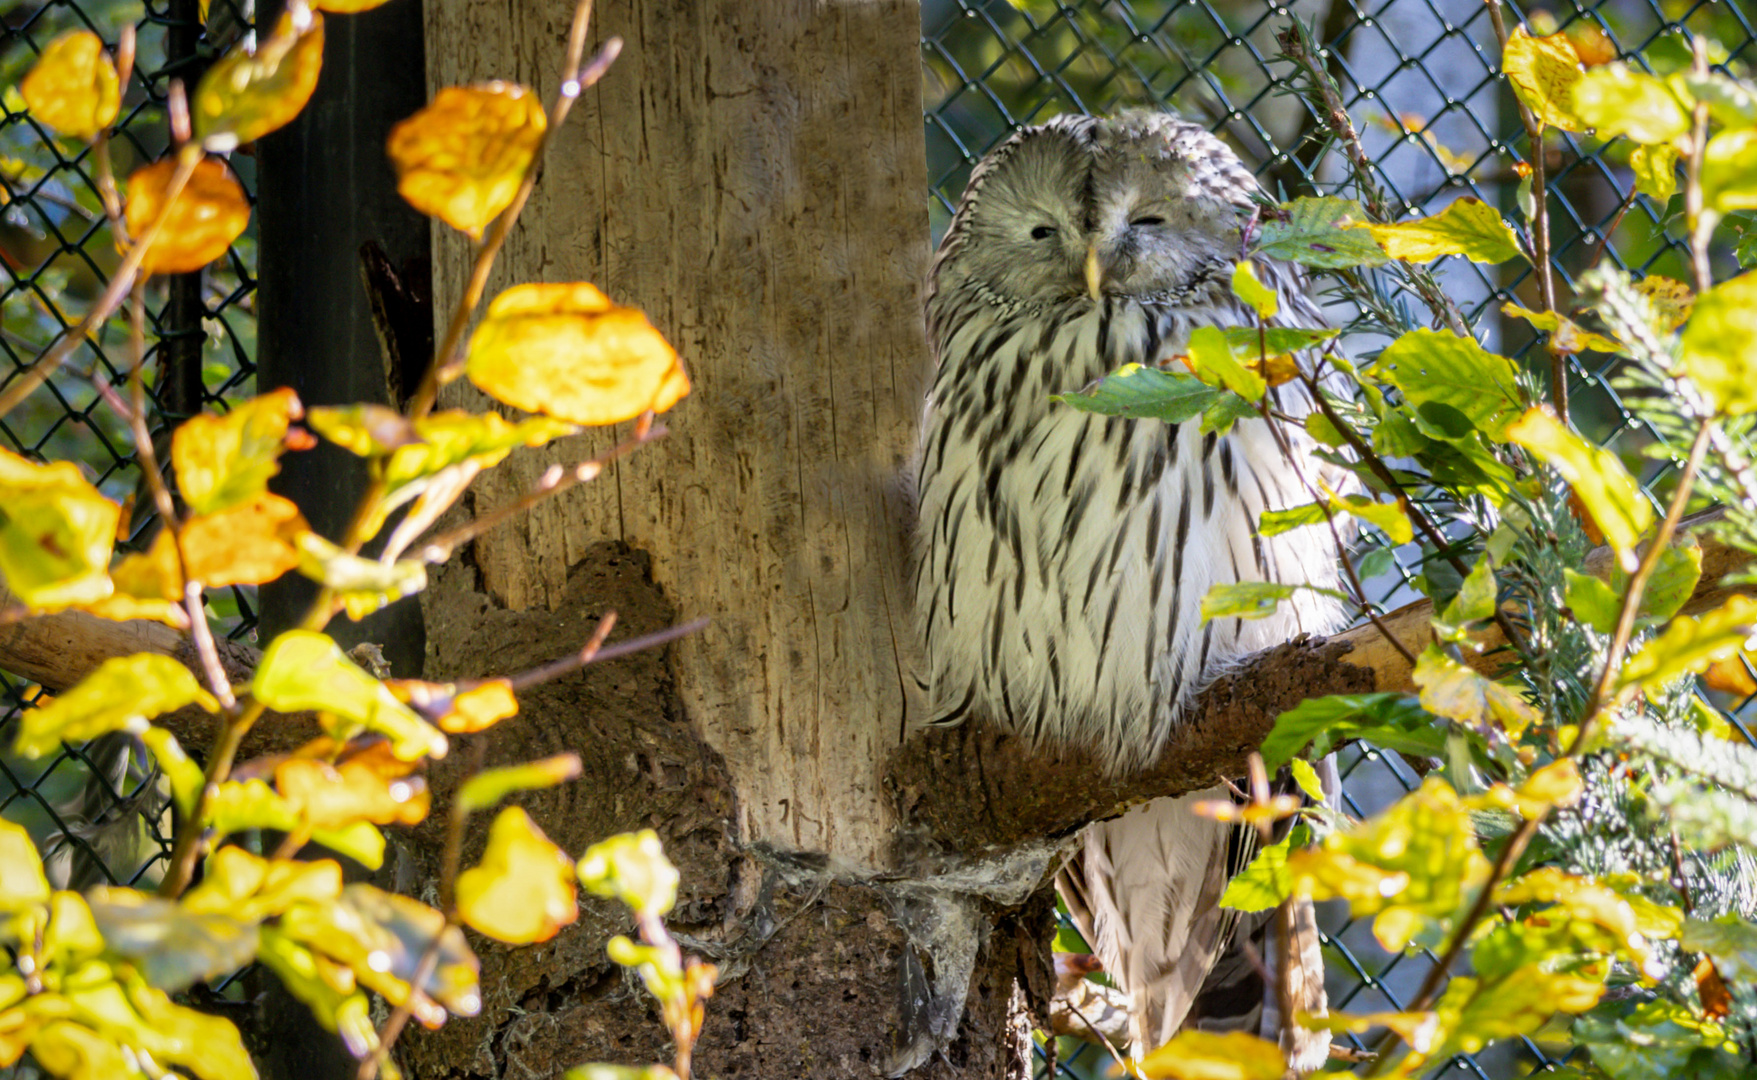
<point>1094,272</point>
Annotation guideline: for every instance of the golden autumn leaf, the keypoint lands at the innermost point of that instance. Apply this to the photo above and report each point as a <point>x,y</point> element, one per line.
<point>208,215</point>
<point>245,95</point>
<point>346,7</point>
<point>1672,299</point>
<point>224,460</point>
<point>148,585</point>
<point>1732,676</point>
<point>73,86</point>
<point>248,544</point>
<point>1544,71</point>
<point>330,797</point>
<point>1215,1055</point>
<point>522,891</point>
<point>566,351</point>
<point>461,159</point>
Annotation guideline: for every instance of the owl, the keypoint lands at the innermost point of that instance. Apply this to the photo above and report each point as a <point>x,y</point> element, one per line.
<point>1061,557</point>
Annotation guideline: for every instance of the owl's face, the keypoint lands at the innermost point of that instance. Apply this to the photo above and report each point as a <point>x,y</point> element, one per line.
<point>1137,205</point>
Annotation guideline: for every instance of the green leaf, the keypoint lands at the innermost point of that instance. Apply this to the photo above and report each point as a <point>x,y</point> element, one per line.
<point>1212,359</point>
<point>1673,581</point>
<point>1439,368</point>
<point>1610,494</point>
<point>1307,778</point>
<point>447,438</point>
<point>1322,431</point>
<point>56,532</point>
<point>1245,599</point>
<point>1321,232</point>
<point>362,585</point>
<point>1276,522</point>
<point>632,868</point>
<point>1253,341</point>
<point>172,948</point>
<point>1393,721</point>
<point>1247,287</point>
<point>1544,72</point>
<point>22,884</point>
<point>1656,171</point>
<point>1219,417</point>
<point>1474,602</point>
<point>1719,345</point>
<point>1615,100</point>
<point>365,429</point>
<point>121,695</point>
<point>306,670</point>
<point>359,840</point>
<point>237,805</point>
<point>1691,644</point>
<point>1467,227</point>
<point>489,786</point>
<point>1730,940</point>
<point>226,460</point>
<point>1654,1040</point>
<point>1592,601</point>
<point>1144,393</point>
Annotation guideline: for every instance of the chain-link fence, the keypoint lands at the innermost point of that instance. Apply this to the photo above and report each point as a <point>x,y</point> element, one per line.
<point>1419,78</point>
<point>99,811</point>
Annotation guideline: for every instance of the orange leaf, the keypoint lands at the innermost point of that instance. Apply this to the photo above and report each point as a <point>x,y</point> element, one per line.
<point>1717,1003</point>
<point>208,215</point>
<point>462,158</point>
<point>73,86</point>
<point>1731,676</point>
<point>327,797</point>
<point>246,545</point>
<point>244,96</point>
<point>149,585</point>
<point>565,350</point>
<point>1584,516</point>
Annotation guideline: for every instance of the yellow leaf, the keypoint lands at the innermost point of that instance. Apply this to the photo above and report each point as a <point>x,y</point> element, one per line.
<point>461,159</point>
<point>1544,71</point>
<point>1466,227</point>
<point>1656,171</point>
<point>56,532</point>
<point>1597,477</point>
<point>121,695</point>
<point>224,460</point>
<point>1729,171</point>
<point>327,797</point>
<point>249,544</point>
<point>305,670</point>
<point>522,891</point>
<point>346,7</point>
<point>244,96</point>
<point>1692,643</point>
<point>22,884</point>
<point>568,352</point>
<point>1566,335</point>
<point>1720,344</point>
<point>1249,288</point>
<point>148,585</point>
<point>1616,100</point>
<point>632,868</point>
<point>363,585</point>
<point>73,86</point>
<point>480,708</point>
<point>209,213</point>
<point>1454,691</point>
<point>70,1050</point>
<point>1211,1055</point>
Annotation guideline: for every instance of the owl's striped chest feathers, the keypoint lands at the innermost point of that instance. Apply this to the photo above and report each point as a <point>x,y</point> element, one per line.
<point>1062,557</point>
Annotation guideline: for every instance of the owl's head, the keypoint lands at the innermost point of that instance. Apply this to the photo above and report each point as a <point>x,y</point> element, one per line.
<point>1141,204</point>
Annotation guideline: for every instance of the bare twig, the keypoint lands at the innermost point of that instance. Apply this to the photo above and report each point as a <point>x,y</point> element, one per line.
<point>594,651</point>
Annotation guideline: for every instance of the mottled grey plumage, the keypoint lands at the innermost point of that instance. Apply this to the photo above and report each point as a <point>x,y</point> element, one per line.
<point>1061,557</point>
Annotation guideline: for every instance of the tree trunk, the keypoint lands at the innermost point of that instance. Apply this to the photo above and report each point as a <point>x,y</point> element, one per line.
<point>751,174</point>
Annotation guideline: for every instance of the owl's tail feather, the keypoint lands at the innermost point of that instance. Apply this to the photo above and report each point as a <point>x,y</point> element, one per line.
<point>1236,998</point>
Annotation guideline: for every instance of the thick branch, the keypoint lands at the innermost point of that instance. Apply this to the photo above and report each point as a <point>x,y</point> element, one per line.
<point>973,788</point>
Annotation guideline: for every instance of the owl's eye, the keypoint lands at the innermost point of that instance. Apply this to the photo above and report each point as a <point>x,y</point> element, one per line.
<point>1043,232</point>
<point>1153,220</point>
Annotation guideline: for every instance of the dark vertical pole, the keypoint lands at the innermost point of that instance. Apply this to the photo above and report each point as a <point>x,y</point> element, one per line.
<point>181,335</point>
<point>325,188</point>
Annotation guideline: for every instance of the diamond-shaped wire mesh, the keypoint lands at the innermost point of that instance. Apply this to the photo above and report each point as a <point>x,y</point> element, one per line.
<point>1419,79</point>
<point>99,812</point>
